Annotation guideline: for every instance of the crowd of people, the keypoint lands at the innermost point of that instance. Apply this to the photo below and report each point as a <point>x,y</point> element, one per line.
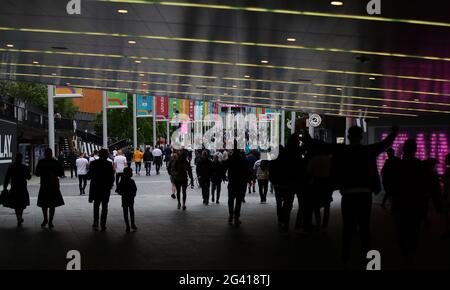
<point>306,169</point>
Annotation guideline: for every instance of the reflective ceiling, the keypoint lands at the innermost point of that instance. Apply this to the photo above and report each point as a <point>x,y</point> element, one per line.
<point>306,56</point>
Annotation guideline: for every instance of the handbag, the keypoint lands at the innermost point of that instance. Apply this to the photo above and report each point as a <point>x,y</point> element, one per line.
<point>4,197</point>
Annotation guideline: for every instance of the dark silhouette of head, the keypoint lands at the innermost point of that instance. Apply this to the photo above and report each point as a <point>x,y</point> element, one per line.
<point>127,172</point>
<point>103,154</point>
<point>390,153</point>
<point>19,158</point>
<point>410,148</point>
<point>355,135</point>
<point>204,154</point>
<point>48,153</point>
<point>95,152</point>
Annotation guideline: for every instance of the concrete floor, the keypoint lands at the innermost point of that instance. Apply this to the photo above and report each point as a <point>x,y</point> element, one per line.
<point>199,238</point>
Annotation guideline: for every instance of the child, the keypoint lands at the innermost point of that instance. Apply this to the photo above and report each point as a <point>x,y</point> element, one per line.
<point>127,189</point>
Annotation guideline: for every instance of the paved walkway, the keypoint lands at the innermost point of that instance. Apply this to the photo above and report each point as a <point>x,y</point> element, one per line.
<point>198,238</point>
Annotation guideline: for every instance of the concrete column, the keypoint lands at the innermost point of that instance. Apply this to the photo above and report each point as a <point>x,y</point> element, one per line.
<point>293,117</point>
<point>105,120</point>
<point>51,119</point>
<point>283,126</point>
<point>154,121</point>
<point>135,145</point>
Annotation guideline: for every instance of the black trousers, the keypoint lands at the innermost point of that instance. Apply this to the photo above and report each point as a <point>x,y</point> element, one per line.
<point>216,186</point>
<point>280,198</point>
<point>73,168</point>
<point>82,182</point>
<point>235,196</point>
<point>181,186</point>
<point>288,196</point>
<point>263,186</point>
<point>158,161</point>
<point>126,210</point>
<point>205,184</point>
<point>356,209</point>
<point>148,167</point>
<point>118,177</point>
<point>104,214</point>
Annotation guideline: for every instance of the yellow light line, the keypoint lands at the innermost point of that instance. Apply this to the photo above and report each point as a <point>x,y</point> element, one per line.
<point>282,11</point>
<point>257,90</point>
<point>224,42</point>
<point>203,62</point>
<point>242,97</point>
<point>227,78</point>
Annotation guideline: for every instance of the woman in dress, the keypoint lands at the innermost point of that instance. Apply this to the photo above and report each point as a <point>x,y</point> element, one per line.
<point>49,170</point>
<point>18,198</point>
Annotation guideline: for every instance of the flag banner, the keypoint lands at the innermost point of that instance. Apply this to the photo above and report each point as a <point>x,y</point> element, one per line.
<point>68,92</point>
<point>192,110</point>
<point>162,108</point>
<point>198,110</point>
<point>144,106</point>
<point>174,107</point>
<point>116,100</point>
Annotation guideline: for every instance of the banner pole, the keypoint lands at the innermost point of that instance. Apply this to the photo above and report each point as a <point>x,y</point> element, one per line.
<point>154,120</point>
<point>105,120</point>
<point>134,123</point>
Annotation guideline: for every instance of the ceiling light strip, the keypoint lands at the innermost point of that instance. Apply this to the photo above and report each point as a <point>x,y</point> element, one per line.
<point>203,62</point>
<point>282,11</point>
<point>226,42</point>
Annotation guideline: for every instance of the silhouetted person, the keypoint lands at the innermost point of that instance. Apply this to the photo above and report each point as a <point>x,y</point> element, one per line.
<point>72,158</point>
<point>82,170</point>
<point>446,196</point>
<point>409,201</point>
<point>101,173</point>
<point>167,154</point>
<point>129,157</point>
<point>49,197</point>
<point>18,198</point>
<point>388,173</point>
<point>148,159</point>
<point>61,160</point>
<point>278,177</point>
<point>172,161</point>
<point>239,174</point>
<point>320,187</point>
<point>180,169</point>
<point>157,159</point>
<point>261,168</point>
<point>204,170</point>
<point>127,189</point>
<point>251,160</point>
<point>355,174</point>
<point>217,177</point>
<point>433,188</point>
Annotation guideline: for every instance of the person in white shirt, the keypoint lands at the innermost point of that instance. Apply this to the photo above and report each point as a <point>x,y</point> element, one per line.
<point>82,169</point>
<point>157,158</point>
<point>120,162</point>
<point>94,156</point>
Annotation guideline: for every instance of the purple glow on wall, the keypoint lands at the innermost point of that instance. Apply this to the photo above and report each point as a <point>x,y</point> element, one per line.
<point>429,145</point>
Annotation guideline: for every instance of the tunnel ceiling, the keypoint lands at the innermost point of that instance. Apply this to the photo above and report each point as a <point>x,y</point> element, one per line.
<point>298,55</point>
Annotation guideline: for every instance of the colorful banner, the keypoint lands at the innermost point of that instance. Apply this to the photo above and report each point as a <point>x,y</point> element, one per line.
<point>162,108</point>
<point>198,114</point>
<point>144,106</point>
<point>192,110</point>
<point>68,92</point>
<point>116,100</point>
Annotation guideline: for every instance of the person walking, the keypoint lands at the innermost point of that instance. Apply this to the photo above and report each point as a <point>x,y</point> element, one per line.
<point>239,174</point>
<point>72,162</point>
<point>49,170</point>
<point>62,162</point>
<point>172,161</point>
<point>101,173</point>
<point>181,170</point>
<point>388,172</point>
<point>127,189</point>
<point>137,157</point>
<point>355,174</point>
<point>204,170</point>
<point>18,197</point>
<point>120,163</point>
<point>82,169</point>
<point>217,177</point>
<point>129,156</point>
<point>261,168</point>
<point>148,159</point>
<point>157,159</point>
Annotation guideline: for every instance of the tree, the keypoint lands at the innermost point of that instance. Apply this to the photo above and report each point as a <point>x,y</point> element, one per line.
<point>120,125</point>
<point>36,94</point>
